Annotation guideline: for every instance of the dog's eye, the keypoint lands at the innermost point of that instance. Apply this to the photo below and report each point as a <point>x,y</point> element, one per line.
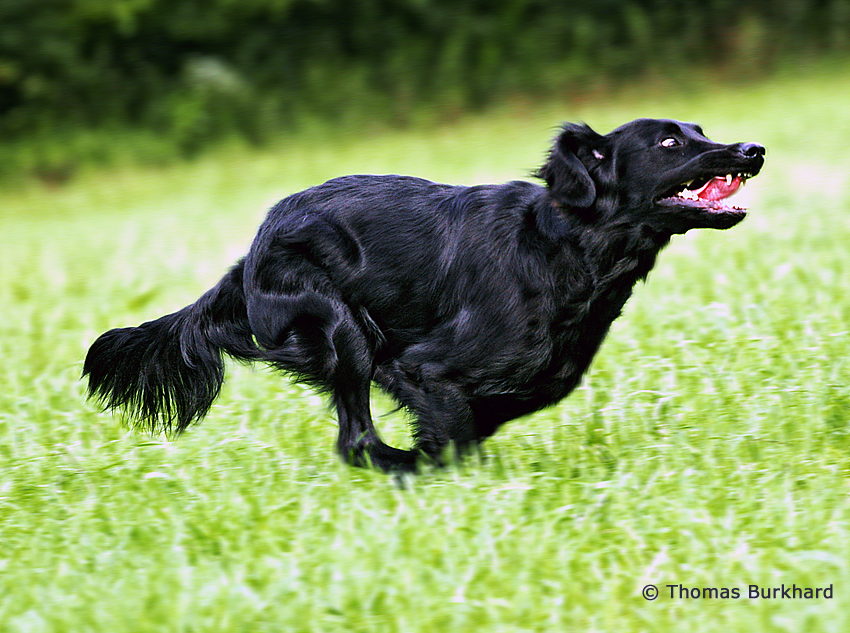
<point>670,142</point>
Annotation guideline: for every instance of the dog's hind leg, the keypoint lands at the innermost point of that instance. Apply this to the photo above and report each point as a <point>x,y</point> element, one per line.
<point>358,441</point>
<point>323,343</point>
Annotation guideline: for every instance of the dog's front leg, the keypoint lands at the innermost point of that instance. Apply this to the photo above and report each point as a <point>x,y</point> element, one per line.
<point>443,419</point>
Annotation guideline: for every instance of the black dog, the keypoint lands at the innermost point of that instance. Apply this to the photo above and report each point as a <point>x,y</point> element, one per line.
<point>470,306</point>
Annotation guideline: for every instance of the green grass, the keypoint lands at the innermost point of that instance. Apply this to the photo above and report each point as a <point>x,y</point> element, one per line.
<point>709,445</point>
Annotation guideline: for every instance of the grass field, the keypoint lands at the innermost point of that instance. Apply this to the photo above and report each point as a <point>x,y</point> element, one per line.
<point>709,445</point>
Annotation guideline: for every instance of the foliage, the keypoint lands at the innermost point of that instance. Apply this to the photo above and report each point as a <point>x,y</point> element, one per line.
<point>193,71</point>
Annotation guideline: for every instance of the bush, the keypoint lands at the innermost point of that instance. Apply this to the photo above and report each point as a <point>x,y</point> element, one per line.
<point>194,71</point>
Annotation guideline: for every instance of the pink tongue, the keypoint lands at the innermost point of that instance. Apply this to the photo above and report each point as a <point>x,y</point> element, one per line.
<point>718,188</point>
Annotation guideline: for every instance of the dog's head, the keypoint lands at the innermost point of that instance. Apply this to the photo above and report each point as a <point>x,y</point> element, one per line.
<point>661,173</point>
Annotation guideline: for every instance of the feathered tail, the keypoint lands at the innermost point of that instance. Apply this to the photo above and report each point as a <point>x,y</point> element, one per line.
<point>165,374</point>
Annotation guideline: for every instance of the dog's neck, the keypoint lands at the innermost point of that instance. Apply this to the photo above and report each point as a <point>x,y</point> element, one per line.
<point>620,254</point>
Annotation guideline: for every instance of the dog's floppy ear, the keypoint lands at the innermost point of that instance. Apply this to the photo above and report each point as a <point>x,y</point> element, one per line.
<point>565,173</point>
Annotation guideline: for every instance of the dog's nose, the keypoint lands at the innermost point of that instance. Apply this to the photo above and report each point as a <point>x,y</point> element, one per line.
<point>751,150</point>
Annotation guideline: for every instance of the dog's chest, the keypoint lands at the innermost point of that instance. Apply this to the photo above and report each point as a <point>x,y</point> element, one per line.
<point>574,336</point>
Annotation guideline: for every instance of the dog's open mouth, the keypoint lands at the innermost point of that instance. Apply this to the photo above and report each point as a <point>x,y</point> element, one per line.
<point>706,193</point>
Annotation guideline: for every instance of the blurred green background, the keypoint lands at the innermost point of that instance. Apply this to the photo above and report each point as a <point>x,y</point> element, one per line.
<point>185,73</point>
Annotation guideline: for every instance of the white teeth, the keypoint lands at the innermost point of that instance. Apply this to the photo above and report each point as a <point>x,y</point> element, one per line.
<point>728,179</point>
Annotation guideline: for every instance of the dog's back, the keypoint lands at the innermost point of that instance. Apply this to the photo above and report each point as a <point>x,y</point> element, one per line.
<point>409,251</point>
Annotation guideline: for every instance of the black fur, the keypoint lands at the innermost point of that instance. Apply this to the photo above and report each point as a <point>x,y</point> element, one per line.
<point>470,306</point>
